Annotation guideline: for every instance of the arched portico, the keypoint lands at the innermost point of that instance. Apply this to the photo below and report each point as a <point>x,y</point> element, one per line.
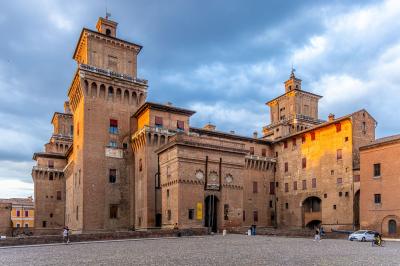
<point>312,211</point>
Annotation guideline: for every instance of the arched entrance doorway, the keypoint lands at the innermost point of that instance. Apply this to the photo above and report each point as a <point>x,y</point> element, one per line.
<point>392,227</point>
<point>211,210</point>
<point>356,209</point>
<point>313,224</point>
<point>312,214</point>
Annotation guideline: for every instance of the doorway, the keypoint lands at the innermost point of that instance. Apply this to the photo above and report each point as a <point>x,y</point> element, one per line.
<point>158,219</point>
<point>392,227</point>
<point>356,209</point>
<point>211,210</point>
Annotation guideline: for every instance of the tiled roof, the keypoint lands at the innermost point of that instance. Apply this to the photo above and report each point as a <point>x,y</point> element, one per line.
<point>381,141</point>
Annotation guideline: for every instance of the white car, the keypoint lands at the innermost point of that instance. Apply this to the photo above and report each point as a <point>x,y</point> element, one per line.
<point>362,235</point>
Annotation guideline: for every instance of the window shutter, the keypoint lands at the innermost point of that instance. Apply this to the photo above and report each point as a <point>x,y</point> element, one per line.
<point>113,123</point>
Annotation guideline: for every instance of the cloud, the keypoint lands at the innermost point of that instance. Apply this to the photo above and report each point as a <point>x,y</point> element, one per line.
<point>227,117</point>
<point>15,189</point>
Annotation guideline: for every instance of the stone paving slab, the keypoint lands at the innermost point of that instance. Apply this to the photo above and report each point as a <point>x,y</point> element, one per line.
<point>209,250</point>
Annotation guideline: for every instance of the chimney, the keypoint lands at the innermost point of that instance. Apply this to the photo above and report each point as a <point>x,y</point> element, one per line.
<point>331,117</point>
<point>255,134</point>
<point>209,127</point>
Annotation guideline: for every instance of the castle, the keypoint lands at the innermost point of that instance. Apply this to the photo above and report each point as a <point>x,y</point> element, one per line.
<point>117,162</point>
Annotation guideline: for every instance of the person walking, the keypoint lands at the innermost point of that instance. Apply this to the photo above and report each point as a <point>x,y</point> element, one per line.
<point>66,235</point>
<point>317,237</point>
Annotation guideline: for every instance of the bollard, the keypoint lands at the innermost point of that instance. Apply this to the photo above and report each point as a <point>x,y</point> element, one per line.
<point>224,232</point>
<point>249,232</point>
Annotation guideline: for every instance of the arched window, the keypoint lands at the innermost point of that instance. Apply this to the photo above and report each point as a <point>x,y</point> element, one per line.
<point>108,32</point>
<point>51,176</point>
<point>93,90</point>
<point>102,91</point>
<point>392,227</point>
<point>110,93</point>
<point>126,96</point>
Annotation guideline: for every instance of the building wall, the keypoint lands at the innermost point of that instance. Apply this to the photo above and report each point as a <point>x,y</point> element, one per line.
<point>376,216</point>
<point>322,164</point>
<point>5,219</point>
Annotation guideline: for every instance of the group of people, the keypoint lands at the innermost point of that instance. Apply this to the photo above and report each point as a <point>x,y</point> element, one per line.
<point>319,232</point>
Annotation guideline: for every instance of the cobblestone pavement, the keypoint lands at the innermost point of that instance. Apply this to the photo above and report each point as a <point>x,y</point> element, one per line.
<point>209,250</point>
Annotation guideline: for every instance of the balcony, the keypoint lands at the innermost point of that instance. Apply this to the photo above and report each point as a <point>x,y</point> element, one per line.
<point>46,169</point>
<point>260,158</point>
<point>112,74</point>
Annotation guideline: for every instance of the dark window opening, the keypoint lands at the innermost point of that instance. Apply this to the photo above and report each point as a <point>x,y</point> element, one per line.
<point>339,180</point>
<point>255,216</point>
<point>286,166</point>
<point>334,207</point>
<point>226,211</point>
<point>325,196</point>
<point>51,176</point>
<point>312,135</point>
<point>272,188</point>
<point>285,144</point>
<point>255,187</point>
<point>108,32</point>
<point>304,163</point>
<point>339,154</point>
<point>26,213</point>
<point>314,183</point>
<point>264,152</point>
<point>44,223</point>
<point>377,169</point>
<point>252,150</point>
<point>295,185</point>
<point>158,121</point>
<point>287,205</point>
<point>286,187</point>
<point>191,214</point>
<point>50,163</point>
<point>58,195</point>
<point>113,211</point>
<point>51,215</point>
<point>340,193</point>
<point>377,198</point>
<point>112,177</point>
<point>304,184</point>
<point>338,127</point>
<point>244,216</point>
<point>169,215</point>
<point>180,125</point>
<point>270,204</point>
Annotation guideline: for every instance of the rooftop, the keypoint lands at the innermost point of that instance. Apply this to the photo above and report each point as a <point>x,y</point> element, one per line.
<point>385,140</point>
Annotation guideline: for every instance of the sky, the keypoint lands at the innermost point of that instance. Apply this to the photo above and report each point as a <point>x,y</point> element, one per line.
<point>223,59</point>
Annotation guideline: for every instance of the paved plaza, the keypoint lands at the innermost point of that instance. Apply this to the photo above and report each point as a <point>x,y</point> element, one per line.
<point>208,250</point>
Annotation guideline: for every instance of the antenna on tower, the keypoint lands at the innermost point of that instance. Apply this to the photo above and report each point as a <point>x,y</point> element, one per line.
<point>292,71</point>
<point>108,14</point>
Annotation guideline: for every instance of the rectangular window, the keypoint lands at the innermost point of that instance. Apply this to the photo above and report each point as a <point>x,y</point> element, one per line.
<point>252,150</point>
<point>285,144</point>
<point>312,135</point>
<point>286,187</point>
<point>270,204</point>
<point>158,121</point>
<point>191,214</point>
<point>340,193</point>
<point>244,216</point>
<point>113,211</point>
<point>303,139</point>
<point>294,143</point>
<point>304,183</point>
<point>334,207</point>
<point>272,188</point>
<point>264,152</point>
<point>304,163</point>
<point>169,215</point>
<point>58,195</point>
<point>26,213</point>
<point>339,154</point>
<point>314,183</point>
<point>113,126</point>
<point>295,185</point>
<point>167,193</point>
<point>226,211</point>
<point>255,216</point>
<point>18,213</point>
<point>180,125</point>
<point>338,127</point>
<point>357,178</point>
<point>377,170</point>
<point>286,167</point>
<point>112,176</point>
<point>339,180</point>
<point>50,164</point>
<point>77,213</point>
<point>287,205</point>
<point>255,187</point>
<point>363,127</point>
<point>44,223</point>
<point>377,198</point>
<point>26,225</point>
